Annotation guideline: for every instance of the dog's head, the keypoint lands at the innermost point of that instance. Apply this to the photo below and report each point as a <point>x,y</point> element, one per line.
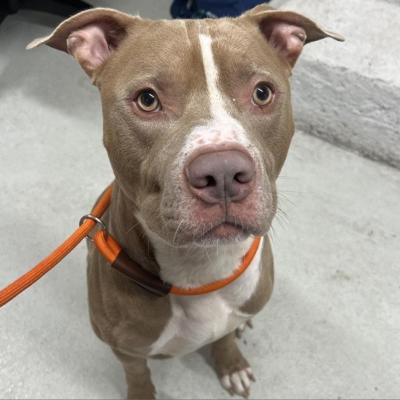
<point>197,113</point>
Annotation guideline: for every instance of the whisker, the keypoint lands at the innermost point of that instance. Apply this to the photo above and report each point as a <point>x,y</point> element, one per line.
<point>176,231</point>
<point>133,227</point>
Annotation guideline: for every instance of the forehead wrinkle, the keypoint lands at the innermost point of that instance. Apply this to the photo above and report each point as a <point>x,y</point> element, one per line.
<point>160,80</point>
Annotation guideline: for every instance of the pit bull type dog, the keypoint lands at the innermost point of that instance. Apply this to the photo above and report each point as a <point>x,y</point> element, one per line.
<point>197,125</point>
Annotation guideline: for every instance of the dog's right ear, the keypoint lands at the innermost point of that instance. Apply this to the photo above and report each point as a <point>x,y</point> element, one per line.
<point>90,37</point>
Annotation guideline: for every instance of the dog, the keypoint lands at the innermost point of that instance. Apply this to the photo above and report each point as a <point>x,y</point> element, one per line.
<point>197,125</point>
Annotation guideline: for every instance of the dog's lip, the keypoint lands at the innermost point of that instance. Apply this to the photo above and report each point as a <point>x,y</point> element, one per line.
<point>225,229</point>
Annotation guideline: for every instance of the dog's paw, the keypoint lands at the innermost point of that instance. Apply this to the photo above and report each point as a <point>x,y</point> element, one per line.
<point>241,328</point>
<point>238,382</point>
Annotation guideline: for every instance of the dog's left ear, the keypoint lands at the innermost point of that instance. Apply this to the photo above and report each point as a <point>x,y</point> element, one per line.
<point>288,31</point>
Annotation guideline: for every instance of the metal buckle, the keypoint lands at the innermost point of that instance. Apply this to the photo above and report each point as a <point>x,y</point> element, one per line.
<point>98,221</point>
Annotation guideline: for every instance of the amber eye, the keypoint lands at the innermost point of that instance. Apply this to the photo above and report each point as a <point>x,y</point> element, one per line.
<point>148,101</point>
<point>262,94</point>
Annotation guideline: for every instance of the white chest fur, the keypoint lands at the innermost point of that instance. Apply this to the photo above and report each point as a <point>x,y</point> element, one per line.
<point>198,320</point>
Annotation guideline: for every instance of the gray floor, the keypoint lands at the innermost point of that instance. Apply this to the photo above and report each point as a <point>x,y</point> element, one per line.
<point>332,327</point>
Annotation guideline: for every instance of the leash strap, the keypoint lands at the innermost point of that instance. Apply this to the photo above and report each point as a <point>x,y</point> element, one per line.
<point>44,266</point>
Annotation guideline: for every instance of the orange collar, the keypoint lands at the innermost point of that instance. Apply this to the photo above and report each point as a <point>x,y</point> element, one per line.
<point>113,253</point>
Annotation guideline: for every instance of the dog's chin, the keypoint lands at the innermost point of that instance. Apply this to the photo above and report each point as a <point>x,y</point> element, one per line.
<point>224,233</point>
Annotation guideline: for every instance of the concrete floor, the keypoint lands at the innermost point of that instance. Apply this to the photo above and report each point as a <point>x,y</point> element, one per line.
<point>332,327</point>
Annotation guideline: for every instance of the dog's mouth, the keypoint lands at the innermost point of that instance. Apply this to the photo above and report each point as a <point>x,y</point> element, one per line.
<point>217,224</point>
<point>226,230</point>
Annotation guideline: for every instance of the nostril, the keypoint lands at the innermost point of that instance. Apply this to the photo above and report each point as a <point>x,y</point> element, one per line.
<point>202,182</point>
<point>211,181</point>
<point>242,177</point>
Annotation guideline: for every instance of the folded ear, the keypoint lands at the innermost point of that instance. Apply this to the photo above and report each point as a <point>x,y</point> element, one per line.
<point>288,31</point>
<point>90,36</point>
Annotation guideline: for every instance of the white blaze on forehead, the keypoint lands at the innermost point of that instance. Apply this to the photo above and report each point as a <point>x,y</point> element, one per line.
<point>184,26</point>
<point>222,127</point>
<point>216,102</point>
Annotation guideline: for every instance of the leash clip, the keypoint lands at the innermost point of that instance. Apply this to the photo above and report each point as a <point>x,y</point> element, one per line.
<point>99,223</point>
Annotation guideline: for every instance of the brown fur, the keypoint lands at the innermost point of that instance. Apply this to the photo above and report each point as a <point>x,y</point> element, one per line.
<point>166,55</point>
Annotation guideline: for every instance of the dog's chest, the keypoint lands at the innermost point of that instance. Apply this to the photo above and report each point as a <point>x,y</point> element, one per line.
<point>199,320</point>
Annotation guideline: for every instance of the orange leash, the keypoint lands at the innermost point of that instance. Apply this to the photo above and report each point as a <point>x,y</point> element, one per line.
<point>113,253</point>
<point>44,266</point>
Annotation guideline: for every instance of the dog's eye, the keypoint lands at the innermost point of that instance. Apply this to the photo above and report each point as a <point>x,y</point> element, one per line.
<point>263,94</point>
<point>148,101</point>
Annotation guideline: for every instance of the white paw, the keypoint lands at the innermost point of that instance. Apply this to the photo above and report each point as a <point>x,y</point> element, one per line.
<point>238,382</point>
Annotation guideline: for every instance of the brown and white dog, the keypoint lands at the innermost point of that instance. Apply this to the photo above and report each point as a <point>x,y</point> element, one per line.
<point>197,125</point>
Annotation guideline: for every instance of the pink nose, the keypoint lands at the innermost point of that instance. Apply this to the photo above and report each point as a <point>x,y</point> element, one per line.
<point>221,176</point>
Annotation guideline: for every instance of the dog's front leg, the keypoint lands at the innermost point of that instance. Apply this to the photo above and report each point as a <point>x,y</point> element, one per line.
<point>138,376</point>
<point>231,367</point>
